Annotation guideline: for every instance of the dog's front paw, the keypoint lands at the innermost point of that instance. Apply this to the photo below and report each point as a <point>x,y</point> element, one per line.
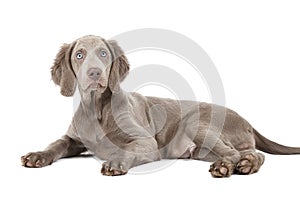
<point>37,159</point>
<point>114,168</point>
<point>221,169</point>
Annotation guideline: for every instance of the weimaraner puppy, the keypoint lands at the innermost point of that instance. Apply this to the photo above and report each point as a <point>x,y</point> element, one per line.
<point>128,129</point>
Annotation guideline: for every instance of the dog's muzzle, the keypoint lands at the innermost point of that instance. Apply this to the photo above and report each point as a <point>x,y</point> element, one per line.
<point>94,74</point>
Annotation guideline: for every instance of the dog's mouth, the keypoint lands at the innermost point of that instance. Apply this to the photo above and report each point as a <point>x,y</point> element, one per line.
<point>96,86</point>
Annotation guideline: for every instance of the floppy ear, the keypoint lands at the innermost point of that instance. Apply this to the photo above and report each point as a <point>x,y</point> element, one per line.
<point>119,68</point>
<point>62,72</point>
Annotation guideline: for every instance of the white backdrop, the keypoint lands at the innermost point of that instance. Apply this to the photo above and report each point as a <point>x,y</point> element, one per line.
<point>255,46</point>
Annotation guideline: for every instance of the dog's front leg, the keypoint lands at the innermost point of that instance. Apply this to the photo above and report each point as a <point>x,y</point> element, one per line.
<point>64,147</point>
<point>135,153</point>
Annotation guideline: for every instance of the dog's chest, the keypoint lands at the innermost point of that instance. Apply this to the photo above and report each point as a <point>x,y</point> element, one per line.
<point>92,134</point>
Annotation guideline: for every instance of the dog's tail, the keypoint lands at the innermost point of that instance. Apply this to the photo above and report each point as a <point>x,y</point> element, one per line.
<point>268,146</point>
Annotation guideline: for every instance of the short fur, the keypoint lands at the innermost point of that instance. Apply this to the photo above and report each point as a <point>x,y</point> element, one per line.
<point>128,129</point>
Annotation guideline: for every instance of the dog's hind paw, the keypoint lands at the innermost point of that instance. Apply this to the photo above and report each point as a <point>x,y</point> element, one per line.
<point>221,169</point>
<point>113,169</point>
<point>249,163</point>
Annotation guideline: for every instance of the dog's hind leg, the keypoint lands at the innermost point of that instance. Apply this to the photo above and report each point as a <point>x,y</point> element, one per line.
<point>228,158</point>
<point>224,156</point>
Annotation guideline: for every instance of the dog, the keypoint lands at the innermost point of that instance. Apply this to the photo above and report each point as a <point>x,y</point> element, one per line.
<point>128,129</point>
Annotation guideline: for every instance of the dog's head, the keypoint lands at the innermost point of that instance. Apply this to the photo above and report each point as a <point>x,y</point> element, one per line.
<point>92,62</point>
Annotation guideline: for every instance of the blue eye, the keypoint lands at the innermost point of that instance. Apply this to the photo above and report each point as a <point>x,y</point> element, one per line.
<point>79,56</point>
<point>103,53</point>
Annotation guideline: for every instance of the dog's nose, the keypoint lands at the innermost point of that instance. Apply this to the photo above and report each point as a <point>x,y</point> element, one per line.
<point>94,73</point>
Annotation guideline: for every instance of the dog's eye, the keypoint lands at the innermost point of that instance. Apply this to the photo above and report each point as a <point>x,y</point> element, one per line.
<point>103,53</point>
<point>79,56</point>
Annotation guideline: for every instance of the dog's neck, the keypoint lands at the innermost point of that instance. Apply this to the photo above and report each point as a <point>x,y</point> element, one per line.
<point>93,102</point>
